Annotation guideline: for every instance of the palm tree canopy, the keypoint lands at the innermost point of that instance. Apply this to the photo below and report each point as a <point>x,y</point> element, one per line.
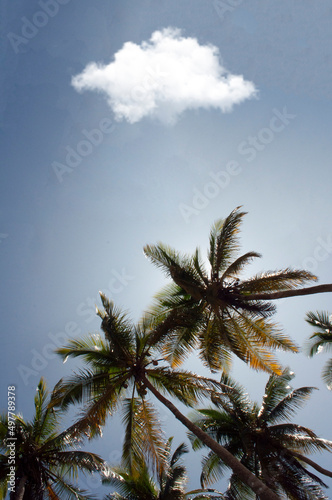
<point>139,485</point>
<point>169,485</point>
<point>263,439</point>
<point>118,363</point>
<point>46,458</point>
<point>215,310</point>
<point>123,363</point>
<point>321,340</point>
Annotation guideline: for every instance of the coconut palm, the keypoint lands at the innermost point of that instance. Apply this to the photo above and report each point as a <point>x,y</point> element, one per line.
<point>322,339</point>
<point>123,363</point>
<point>45,460</point>
<point>226,315</point>
<point>172,478</point>
<point>264,440</point>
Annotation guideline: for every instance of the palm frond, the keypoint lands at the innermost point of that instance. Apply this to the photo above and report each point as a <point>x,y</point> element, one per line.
<point>246,346</point>
<point>238,265</point>
<point>143,441</point>
<point>327,374</point>
<point>117,329</point>
<point>320,319</point>
<point>187,387</point>
<point>274,281</point>
<point>277,387</point>
<point>290,404</point>
<point>92,349</point>
<point>64,490</point>
<point>224,241</point>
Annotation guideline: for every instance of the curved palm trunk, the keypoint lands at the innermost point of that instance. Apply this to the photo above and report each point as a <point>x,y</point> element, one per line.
<point>240,470</point>
<point>312,463</point>
<point>19,493</point>
<point>288,293</point>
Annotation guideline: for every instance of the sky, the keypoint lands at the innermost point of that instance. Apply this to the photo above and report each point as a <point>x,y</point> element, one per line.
<point>127,123</point>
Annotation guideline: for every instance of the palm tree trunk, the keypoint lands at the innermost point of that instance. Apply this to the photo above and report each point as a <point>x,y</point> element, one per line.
<point>240,470</point>
<point>313,464</point>
<point>288,293</point>
<point>19,494</point>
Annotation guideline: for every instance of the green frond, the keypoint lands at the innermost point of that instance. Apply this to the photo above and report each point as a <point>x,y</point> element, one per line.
<point>185,386</point>
<point>67,491</point>
<point>247,347</point>
<point>275,281</point>
<point>327,374</point>
<point>299,438</point>
<point>318,342</point>
<point>199,267</point>
<point>289,404</point>
<point>320,319</point>
<point>45,422</point>
<point>162,256</point>
<point>237,490</point>
<point>143,442</point>
<point>79,388</point>
<point>264,332</point>
<point>98,391</point>
<point>181,268</point>
<point>131,486</point>
<point>75,459</point>
<point>321,341</point>
<point>213,469</point>
<point>181,339</point>
<point>118,332</point>
<point>92,349</point>
<point>277,387</point>
<point>224,242</point>
<point>214,344</point>
<point>238,265</point>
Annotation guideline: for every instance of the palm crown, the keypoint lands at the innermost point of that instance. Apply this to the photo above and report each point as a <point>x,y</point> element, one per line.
<point>263,439</point>
<point>45,460</point>
<point>121,365</point>
<point>224,314</point>
<point>172,478</point>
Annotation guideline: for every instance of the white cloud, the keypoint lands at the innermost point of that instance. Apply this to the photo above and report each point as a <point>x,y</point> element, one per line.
<point>164,77</point>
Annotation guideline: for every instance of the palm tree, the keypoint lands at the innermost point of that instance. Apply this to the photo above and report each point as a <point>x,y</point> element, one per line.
<point>225,315</point>
<point>172,477</point>
<point>263,439</point>
<point>322,339</point>
<point>44,460</point>
<point>124,362</point>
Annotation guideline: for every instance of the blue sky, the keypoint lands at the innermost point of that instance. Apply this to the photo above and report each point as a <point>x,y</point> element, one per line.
<point>95,167</point>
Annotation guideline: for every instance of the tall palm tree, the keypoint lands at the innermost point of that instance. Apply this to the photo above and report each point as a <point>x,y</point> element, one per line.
<point>172,478</point>
<point>264,440</point>
<point>226,315</point>
<point>44,460</point>
<point>124,362</point>
<point>322,339</point>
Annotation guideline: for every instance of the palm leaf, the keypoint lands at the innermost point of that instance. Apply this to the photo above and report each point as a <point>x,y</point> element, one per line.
<point>224,241</point>
<point>290,404</point>
<point>239,264</point>
<point>327,374</point>
<point>187,387</point>
<point>273,281</point>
